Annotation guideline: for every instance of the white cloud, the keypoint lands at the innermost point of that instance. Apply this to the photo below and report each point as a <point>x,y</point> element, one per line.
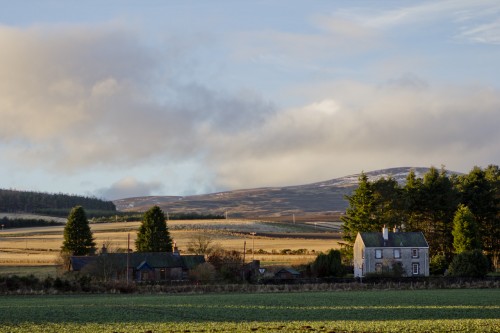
<point>488,33</point>
<point>75,98</point>
<point>129,187</point>
<point>373,127</point>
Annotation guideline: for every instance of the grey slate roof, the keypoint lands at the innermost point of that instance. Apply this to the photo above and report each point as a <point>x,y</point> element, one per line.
<point>288,270</point>
<point>78,262</point>
<point>396,239</point>
<point>136,259</point>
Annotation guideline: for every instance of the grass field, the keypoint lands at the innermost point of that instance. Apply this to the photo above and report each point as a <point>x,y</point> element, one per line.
<point>475,310</point>
<point>41,245</point>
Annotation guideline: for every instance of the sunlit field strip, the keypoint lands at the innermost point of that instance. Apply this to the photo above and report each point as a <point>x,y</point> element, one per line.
<point>382,326</point>
<point>458,310</point>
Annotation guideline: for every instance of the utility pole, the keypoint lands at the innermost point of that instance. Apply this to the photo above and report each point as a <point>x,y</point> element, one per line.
<point>244,250</point>
<point>128,255</point>
<point>253,245</point>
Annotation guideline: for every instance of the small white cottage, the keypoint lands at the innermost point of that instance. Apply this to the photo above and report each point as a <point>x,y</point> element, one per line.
<point>375,251</point>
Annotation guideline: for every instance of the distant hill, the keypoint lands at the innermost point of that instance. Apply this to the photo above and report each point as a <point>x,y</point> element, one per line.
<point>325,198</point>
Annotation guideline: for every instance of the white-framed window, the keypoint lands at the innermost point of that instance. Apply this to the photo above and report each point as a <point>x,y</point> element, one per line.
<point>378,254</point>
<point>414,253</point>
<point>397,253</point>
<point>415,269</point>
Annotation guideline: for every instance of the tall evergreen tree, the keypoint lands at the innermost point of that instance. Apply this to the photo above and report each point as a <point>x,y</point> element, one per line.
<point>412,202</point>
<point>78,238</point>
<point>153,235</point>
<point>388,203</point>
<point>491,229</point>
<point>480,192</point>
<point>359,215</point>
<point>465,232</point>
<point>439,200</point>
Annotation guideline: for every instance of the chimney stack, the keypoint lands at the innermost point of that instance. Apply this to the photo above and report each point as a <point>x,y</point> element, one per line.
<point>175,250</point>
<point>104,250</point>
<point>385,233</point>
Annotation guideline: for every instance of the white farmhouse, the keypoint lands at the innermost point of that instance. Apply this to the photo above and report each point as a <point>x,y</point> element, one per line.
<point>374,251</point>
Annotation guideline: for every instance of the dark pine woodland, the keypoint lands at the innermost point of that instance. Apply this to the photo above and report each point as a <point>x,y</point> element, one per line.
<point>50,204</point>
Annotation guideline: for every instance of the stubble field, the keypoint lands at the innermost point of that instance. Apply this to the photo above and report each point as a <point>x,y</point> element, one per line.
<point>41,245</point>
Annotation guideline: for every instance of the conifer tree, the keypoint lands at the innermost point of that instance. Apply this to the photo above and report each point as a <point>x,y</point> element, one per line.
<point>465,231</point>
<point>359,215</point>
<point>153,235</point>
<point>480,192</point>
<point>78,238</point>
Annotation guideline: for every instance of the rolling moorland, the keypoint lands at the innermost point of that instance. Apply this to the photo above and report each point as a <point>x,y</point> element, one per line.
<point>317,201</point>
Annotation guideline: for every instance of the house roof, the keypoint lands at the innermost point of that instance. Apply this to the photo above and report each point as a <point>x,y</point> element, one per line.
<point>288,270</point>
<point>396,239</point>
<point>144,267</point>
<point>140,259</point>
<point>78,262</point>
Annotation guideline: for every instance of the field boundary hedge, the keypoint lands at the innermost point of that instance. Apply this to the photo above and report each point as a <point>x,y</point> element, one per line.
<point>84,284</point>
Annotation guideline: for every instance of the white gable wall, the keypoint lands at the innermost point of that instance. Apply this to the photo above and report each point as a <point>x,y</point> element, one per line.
<point>366,262</point>
<point>359,262</point>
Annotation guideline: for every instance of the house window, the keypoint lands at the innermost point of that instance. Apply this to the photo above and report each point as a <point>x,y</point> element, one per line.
<point>378,268</point>
<point>415,269</point>
<point>378,254</point>
<point>397,253</point>
<point>414,253</point>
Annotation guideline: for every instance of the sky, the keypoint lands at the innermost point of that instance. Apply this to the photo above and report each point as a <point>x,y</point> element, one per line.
<point>122,98</point>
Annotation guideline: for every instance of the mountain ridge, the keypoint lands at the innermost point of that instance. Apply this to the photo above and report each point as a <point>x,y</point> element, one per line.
<point>319,198</point>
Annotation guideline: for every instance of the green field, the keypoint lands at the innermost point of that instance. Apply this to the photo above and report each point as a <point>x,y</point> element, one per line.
<point>459,310</point>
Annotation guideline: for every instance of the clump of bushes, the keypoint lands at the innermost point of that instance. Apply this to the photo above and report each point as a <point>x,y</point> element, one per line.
<point>328,265</point>
<point>438,264</point>
<point>469,264</point>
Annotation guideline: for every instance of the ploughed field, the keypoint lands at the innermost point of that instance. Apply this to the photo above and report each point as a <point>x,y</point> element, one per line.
<point>459,310</point>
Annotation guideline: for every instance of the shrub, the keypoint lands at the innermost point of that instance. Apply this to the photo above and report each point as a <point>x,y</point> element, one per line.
<point>226,263</point>
<point>438,264</point>
<point>327,265</point>
<point>469,264</point>
<point>203,272</point>
<point>390,270</point>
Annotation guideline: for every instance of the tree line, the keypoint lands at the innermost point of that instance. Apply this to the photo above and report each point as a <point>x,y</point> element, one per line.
<point>56,204</point>
<point>440,205</point>
<point>26,223</point>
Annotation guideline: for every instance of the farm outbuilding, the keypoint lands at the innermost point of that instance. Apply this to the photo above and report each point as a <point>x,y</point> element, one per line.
<point>287,274</point>
<point>140,266</point>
